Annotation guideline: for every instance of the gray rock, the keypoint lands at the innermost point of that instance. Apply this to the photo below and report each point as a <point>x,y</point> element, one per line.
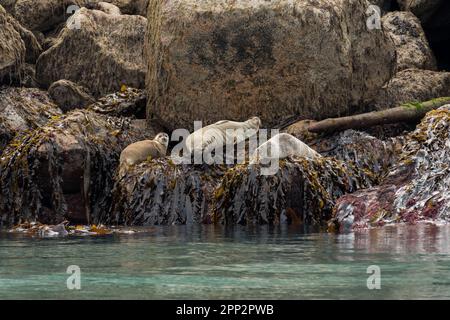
<point>227,59</point>
<point>413,50</point>
<point>413,85</point>
<point>12,49</point>
<point>68,95</point>
<point>104,54</point>
<point>22,110</point>
<point>68,165</point>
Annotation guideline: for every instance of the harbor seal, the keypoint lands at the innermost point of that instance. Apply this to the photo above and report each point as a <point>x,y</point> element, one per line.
<point>140,151</point>
<point>281,146</point>
<point>218,134</point>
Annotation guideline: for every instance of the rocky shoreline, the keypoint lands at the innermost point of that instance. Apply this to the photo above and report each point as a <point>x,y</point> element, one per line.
<point>77,86</point>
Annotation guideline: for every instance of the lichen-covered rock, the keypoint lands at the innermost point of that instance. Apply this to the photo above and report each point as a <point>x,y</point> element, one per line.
<point>104,54</point>
<point>12,49</point>
<point>302,191</point>
<point>413,50</point>
<point>413,85</point>
<point>44,15</point>
<point>158,192</point>
<point>228,59</point>
<point>65,169</point>
<point>68,95</point>
<point>435,18</point>
<point>416,189</point>
<point>7,4</point>
<point>22,110</point>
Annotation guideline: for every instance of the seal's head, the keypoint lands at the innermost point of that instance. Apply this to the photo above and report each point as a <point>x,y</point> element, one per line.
<point>255,122</point>
<point>162,138</point>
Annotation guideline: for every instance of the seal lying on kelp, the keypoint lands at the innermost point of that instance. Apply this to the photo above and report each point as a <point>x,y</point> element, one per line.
<point>218,134</point>
<point>142,150</point>
<point>281,146</point>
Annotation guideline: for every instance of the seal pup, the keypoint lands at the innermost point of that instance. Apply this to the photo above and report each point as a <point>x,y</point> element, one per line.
<point>218,134</point>
<point>140,151</point>
<point>281,146</point>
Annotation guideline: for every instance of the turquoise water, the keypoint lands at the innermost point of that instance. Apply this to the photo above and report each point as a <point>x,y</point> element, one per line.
<point>183,262</point>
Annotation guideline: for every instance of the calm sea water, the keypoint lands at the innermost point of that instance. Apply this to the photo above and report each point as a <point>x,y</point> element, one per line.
<point>183,262</point>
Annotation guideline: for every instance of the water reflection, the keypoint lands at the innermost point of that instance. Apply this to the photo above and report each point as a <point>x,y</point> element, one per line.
<point>239,262</point>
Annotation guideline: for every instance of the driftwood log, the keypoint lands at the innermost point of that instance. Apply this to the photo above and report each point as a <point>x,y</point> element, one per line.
<point>404,113</point>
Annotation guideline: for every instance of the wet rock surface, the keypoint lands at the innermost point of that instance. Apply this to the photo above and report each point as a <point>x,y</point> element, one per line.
<point>159,192</point>
<point>302,191</point>
<point>416,188</point>
<point>65,169</point>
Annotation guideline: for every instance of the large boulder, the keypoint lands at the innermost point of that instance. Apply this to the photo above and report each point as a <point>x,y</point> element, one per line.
<point>413,85</point>
<point>426,10</point>
<point>32,46</point>
<point>68,95</point>
<point>65,169</point>
<point>417,187</point>
<point>104,54</point>
<point>413,50</point>
<point>12,49</point>
<point>8,4</point>
<point>44,15</point>
<point>22,110</point>
<point>228,59</point>
<point>435,18</point>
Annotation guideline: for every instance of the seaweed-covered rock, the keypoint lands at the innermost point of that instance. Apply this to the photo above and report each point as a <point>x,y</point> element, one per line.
<point>158,192</point>
<point>104,54</point>
<point>227,59</point>
<point>12,49</point>
<point>417,188</point>
<point>68,95</point>
<point>302,191</point>
<point>65,169</point>
<point>413,85</point>
<point>413,50</point>
<point>22,110</point>
<point>129,102</point>
<point>367,153</point>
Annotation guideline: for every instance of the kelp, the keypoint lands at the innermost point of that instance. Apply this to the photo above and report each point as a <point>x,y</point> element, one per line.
<point>302,191</point>
<point>22,110</point>
<point>416,188</point>
<point>159,192</point>
<point>129,102</point>
<point>65,169</point>
<point>39,230</point>
<point>367,153</point>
